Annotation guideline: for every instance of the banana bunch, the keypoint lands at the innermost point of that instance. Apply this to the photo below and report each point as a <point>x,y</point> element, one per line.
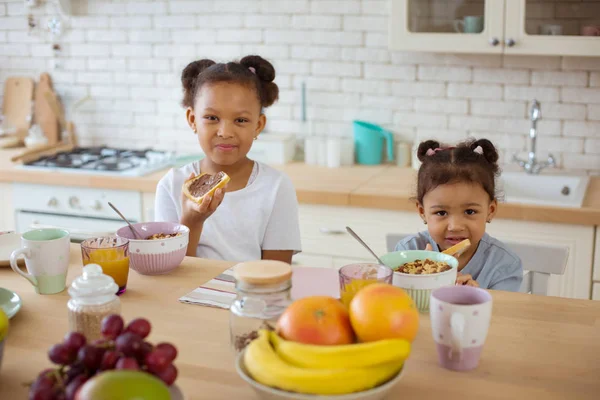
<point>313,373</point>
<point>358,355</point>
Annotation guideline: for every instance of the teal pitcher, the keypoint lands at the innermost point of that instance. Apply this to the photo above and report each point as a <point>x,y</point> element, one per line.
<point>368,142</point>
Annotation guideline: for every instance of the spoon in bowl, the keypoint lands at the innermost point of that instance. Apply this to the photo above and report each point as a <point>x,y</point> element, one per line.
<point>136,235</point>
<point>355,236</point>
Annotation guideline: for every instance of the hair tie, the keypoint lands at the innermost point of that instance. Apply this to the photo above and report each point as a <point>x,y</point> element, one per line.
<point>252,69</point>
<point>478,150</point>
<point>431,152</point>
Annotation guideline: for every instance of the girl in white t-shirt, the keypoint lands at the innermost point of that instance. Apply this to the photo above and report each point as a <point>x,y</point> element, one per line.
<point>256,215</point>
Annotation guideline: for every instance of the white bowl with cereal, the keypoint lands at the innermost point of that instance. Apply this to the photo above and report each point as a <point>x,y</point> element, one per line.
<point>418,272</point>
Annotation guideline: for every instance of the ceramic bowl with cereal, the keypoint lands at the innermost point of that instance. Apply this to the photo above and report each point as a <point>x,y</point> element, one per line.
<point>161,250</point>
<point>418,272</point>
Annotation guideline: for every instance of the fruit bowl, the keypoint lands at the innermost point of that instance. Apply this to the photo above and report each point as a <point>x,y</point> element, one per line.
<point>419,287</point>
<point>268,393</point>
<point>159,256</point>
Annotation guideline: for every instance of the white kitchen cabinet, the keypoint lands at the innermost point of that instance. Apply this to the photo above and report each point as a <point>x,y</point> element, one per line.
<point>7,211</point>
<point>525,19</point>
<point>596,291</point>
<point>322,230</point>
<point>417,25</point>
<point>533,27</point>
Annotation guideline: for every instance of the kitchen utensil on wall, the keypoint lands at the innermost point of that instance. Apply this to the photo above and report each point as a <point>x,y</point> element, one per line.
<point>66,127</point>
<point>18,105</point>
<point>469,24</point>
<point>44,114</point>
<point>368,141</point>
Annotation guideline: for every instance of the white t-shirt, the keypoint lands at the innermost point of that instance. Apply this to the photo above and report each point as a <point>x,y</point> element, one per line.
<point>261,216</point>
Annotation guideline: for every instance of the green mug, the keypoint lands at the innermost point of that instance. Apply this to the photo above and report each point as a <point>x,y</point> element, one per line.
<point>46,253</point>
<point>469,24</point>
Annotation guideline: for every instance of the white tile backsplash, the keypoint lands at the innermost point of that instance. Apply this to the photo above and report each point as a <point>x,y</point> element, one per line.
<point>128,56</point>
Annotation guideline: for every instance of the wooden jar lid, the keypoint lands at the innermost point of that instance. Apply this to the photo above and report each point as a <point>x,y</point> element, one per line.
<point>264,272</point>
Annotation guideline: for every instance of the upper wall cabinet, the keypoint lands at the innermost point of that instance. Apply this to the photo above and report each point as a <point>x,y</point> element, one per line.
<point>534,27</point>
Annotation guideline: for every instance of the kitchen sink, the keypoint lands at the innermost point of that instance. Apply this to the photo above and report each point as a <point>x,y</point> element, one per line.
<point>547,190</point>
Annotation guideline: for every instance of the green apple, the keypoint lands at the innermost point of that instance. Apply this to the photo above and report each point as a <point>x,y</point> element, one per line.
<point>123,385</point>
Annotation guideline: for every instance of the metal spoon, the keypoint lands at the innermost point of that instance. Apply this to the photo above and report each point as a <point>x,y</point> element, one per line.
<point>133,230</point>
<point>355,236</point>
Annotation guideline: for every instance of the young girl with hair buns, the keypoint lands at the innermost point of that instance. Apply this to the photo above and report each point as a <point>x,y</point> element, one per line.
<point>456,198</point>
<point>256,215</point>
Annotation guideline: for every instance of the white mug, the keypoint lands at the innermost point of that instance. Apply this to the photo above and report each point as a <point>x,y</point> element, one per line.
<point>551,29</point>
<point>46,253</point>
<point>460,318</point>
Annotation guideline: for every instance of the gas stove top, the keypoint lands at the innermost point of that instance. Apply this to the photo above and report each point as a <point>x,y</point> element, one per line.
<point>104,161</point>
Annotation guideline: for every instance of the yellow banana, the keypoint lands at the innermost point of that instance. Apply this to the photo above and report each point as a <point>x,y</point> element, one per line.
<point>341,356</point>
<point>266,367</point>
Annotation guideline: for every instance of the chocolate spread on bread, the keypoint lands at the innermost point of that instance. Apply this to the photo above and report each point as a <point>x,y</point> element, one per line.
<point>202,185</point>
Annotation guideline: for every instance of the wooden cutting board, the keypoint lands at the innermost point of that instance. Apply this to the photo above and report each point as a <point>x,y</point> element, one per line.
<point>43,114</point>
<point>18,103</point>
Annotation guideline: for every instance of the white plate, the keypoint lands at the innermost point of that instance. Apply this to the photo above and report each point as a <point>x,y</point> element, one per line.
<point>9,242</point>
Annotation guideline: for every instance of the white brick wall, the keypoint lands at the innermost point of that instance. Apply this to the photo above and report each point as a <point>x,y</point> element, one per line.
<point>128,55</point>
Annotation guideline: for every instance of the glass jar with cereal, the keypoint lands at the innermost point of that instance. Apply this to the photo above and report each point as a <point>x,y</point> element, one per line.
<point>93,297</point>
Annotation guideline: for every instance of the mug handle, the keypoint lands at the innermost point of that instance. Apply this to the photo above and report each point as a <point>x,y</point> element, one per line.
<point>457,331</point>
<point>389,138</point>
<point>13,264</point>
<point>459,26</point>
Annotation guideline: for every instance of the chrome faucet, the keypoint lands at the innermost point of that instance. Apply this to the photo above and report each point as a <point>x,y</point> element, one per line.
<point>532,166</point>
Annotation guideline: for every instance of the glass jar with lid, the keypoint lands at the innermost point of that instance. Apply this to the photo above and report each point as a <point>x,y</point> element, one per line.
<point>93,297</point>
<point>263,293</point>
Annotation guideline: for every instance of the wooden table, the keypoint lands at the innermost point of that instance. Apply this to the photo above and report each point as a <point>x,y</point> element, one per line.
<point>537,347</point>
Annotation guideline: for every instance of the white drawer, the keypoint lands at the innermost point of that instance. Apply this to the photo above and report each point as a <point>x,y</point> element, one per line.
<point>323,229</point>
<point>596,291</point>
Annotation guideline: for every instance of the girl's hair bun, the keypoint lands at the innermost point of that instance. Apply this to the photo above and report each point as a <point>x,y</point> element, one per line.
<point>265,72</point>
<point>488,150</point>
<point>425,146</point>
<point>189,79</point>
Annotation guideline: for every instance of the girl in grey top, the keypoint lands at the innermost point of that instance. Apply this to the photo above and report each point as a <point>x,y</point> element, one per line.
<point>456,197</point>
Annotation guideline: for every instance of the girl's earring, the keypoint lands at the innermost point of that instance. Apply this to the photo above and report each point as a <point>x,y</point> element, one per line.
<point>425,222</point>
<point>255,137</point>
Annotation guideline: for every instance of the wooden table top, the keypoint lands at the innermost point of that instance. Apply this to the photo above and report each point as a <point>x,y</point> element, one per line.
<point>537,347</point>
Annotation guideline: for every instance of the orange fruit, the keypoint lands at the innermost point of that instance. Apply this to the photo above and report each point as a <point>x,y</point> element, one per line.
<point>316,320</point>
<point>382,311</point>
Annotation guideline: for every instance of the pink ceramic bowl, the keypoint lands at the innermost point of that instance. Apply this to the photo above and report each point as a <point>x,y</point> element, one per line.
<point>159,256</point>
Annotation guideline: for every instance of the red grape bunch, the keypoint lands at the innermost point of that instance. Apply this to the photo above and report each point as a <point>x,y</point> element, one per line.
<point>123,347</point>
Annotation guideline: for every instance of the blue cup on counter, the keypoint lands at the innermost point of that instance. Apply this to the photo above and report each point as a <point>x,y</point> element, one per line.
<point>368,142</point>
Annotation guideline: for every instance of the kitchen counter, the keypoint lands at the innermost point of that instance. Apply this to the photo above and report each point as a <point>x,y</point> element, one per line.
<point>382,187</point>
<point>537,346</point>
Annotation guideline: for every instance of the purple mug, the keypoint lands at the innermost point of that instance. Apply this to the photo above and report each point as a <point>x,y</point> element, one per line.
<point>460,318</point>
